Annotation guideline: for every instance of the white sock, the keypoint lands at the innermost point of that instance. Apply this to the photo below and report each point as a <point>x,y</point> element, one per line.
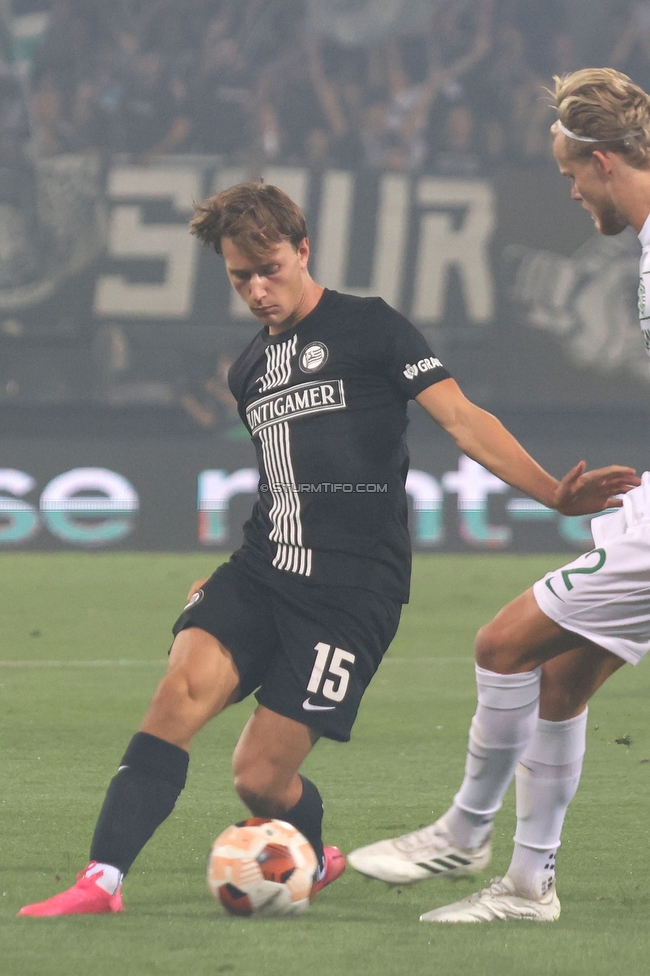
<point>105,876</point>
<point>532,871</point>
<point>547,779</point>
<point>504,722</point>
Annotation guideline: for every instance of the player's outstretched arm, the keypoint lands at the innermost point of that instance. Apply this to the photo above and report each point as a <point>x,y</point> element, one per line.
<point>482,437</point>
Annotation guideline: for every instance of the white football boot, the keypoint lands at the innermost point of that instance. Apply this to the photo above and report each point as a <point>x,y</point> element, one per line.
<point>499,902</point>
<point>427,853</point>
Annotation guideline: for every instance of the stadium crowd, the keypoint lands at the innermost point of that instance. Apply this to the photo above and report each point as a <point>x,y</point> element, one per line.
<point>253,81</point>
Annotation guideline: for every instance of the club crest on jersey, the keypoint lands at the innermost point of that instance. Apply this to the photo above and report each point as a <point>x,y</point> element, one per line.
<point>422,366</point>
<point>313,357</point>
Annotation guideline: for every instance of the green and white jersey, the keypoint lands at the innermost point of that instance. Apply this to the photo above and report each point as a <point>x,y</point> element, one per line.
<point>644,284</point>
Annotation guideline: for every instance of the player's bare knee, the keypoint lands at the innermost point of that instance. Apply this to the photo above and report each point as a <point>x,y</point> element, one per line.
<point>494,652</point>
<point>486,648</point>
<point>257,792</point>
<point>176,686</point>
<point>258,804</point>
<point>176,698</point>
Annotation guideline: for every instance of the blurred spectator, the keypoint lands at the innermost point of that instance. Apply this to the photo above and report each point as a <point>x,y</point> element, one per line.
<point>310,101</point>
<point>510,101</point>
<point>562,54</point>
<point>586,22</point>
<point>14,126</point>
<point>414,84</point>
<point>460,38</point>
<point>97,106</point>
<point>20,254</point>
<point>68,51</point>
<point>154,114</point>
<point>53,130</point>
<point>340,77</point>
<point>461,44</point>
<point>396,113</point>
<point>458,155</point>
<point>222,102</point>
<point>240,79</point>
<point>630,26</point>
<point>539,22</point>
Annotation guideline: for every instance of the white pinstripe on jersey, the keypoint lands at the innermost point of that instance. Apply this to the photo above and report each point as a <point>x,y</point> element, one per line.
<point>286,529</point>
<point>286,526</point>
<point>278,364</point>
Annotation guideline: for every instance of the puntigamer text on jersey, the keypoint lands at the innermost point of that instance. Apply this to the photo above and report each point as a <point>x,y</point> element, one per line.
<point>305,398</point>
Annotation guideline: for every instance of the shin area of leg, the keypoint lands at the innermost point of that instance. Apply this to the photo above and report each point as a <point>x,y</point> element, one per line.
<point>503,725</point>
<point>547,779</point>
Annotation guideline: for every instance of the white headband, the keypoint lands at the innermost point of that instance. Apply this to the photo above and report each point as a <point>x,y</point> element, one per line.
<point>572,135</point>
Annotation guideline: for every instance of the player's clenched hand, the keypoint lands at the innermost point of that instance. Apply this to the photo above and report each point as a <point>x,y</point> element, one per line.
<point>583,492</point>
<point>196,586</point>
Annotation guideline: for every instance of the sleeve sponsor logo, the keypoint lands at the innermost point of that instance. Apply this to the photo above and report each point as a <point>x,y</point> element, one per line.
<point>423,366</point>
<point>298,401</point>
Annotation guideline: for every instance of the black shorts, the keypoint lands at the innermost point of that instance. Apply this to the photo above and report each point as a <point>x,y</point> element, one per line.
<point>310,650</point>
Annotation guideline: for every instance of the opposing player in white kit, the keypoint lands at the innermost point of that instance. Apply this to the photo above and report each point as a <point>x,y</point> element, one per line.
<point>546,653</point>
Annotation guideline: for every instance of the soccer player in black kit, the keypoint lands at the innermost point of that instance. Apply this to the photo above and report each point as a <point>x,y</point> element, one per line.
<point>304,611</point>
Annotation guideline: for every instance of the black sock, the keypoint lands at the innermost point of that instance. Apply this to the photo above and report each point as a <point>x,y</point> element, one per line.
<point>307,816</point>
<point>141,795</point>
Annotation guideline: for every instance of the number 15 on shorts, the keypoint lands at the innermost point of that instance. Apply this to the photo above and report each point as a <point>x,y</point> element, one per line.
<point>330,675</point>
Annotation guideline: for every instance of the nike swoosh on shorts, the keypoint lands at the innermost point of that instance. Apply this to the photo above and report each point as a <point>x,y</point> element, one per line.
<point>307,705</point>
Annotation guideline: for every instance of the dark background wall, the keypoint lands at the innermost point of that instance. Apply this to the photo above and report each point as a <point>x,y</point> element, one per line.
<point>421,158</point>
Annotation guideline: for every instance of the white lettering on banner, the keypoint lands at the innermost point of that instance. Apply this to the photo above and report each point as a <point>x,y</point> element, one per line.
<point>111,492</point>
<point>130,237</point>
<point>297,401</point>
<point>216,488</point>
<point>427,497</point>
<point>472,483</point>
<point>334,233</point>
<point>453,222</point>
<point>18,520</point>
<point>443,246</point>
<point>97,507</point>
<point>17,484</point>
<point>84,506</point>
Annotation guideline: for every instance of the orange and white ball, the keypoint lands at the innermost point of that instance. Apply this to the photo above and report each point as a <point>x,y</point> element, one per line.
<point>262,867</point>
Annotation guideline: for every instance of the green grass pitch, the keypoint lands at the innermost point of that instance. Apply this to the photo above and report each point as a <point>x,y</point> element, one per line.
<point>84,639</point>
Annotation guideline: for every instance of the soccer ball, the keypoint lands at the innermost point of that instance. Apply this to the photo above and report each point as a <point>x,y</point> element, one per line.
<point>262,867</point>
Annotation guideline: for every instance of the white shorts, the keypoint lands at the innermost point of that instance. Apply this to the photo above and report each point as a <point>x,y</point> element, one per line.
<point>604,594</point>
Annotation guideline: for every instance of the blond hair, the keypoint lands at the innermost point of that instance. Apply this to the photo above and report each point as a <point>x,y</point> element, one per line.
<point>255,216</point>
<point>605,106</point>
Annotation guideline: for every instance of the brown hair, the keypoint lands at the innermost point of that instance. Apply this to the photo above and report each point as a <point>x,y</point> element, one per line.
<point>605,105</point>
<point>254,216</point>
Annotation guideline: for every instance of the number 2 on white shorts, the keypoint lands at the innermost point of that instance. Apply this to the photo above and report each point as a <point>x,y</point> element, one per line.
<point>566,574</point>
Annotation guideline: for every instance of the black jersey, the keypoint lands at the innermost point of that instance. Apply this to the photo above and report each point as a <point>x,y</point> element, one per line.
<point>326,406</point>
